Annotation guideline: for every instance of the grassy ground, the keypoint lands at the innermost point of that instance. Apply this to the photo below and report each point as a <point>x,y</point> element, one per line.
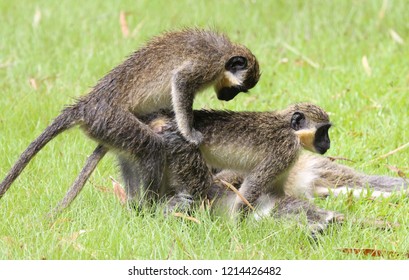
<point>350,57</point>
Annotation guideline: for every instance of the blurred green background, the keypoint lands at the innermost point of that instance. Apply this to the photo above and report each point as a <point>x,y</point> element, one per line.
<point>350,57</point>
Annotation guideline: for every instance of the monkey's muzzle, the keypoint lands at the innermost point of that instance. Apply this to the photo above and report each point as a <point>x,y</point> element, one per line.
<point>228,93</point>
<point>321,141</point>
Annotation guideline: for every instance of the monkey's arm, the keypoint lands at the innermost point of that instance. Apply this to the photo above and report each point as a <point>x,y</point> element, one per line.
<point>229,176</point>
<point>261,180</point>
<point>184,88</point>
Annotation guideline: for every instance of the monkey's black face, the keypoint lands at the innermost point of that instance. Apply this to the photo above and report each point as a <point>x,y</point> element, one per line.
<point>321,140</point>
<point>228,93</point>
<point>252,76</point>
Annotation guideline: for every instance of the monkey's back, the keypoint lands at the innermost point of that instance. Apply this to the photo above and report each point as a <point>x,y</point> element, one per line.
<point>249,128</point>
<point>142,83</point>
<point>240,140</point>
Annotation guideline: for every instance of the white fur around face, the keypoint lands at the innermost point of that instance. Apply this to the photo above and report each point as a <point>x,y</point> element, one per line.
<point>306,137</point>
<point>228,79</point>
<point>235,79</point>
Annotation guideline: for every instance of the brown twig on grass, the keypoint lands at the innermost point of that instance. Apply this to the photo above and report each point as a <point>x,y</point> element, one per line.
<point>230,186</point>
<point>183,216</point>
<point>304,57</point>
<point>124,24</point>
<point>391,152</point>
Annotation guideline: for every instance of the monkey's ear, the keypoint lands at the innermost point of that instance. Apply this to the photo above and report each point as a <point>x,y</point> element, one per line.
<point>236,63</point>
<point>297,121</point>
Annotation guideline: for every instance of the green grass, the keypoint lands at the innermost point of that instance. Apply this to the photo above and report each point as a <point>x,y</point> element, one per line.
<point>308,51</point>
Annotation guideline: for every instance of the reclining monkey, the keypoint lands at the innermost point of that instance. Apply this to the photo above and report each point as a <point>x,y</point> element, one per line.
<point>309,176</point>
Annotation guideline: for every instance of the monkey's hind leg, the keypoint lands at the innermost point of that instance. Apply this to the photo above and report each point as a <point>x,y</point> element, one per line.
<point>291,207</point>
<point>318,219</point>
<point>143,178</point>
<point>190,176</point>
<point>90,165</point>
<point>122,132</point>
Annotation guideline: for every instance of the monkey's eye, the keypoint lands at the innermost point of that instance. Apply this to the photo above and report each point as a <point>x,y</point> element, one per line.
<point>236,63</point>
<point>297,121</point>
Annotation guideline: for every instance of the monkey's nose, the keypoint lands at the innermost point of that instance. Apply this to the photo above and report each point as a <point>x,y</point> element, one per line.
<point>322,148</point>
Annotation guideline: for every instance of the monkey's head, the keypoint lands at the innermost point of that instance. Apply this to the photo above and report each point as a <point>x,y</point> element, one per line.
<point>241,73</point>
<point>311,125</point>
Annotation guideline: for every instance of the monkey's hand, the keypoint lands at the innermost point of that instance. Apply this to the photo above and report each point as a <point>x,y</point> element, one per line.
<point>194,137</point>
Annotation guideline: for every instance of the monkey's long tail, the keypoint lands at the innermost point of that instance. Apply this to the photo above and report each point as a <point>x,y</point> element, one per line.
<point>90,165</point>
<point>67,119</point>
<point>386,183</point>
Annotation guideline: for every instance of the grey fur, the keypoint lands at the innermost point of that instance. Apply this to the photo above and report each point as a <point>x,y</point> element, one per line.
<point>165,73</point>
<point>278,206</point>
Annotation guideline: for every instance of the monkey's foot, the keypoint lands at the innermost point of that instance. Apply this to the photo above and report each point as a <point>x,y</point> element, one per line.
<point>181,202</point>
<point>326,218</point>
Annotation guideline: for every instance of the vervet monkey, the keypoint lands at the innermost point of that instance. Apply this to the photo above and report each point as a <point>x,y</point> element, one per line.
<point>167,72</point>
